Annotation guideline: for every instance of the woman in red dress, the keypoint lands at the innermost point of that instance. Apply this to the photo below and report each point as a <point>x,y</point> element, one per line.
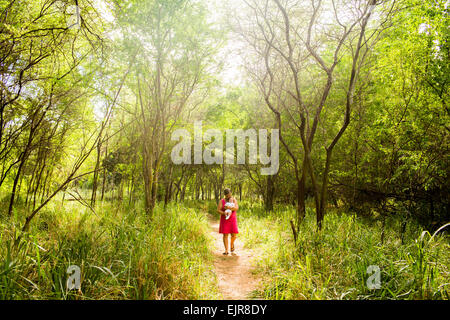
<point>228,226</point>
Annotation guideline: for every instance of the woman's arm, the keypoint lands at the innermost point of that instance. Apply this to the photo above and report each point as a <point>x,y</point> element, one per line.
<point>236,207</point>
<point>219,208</point>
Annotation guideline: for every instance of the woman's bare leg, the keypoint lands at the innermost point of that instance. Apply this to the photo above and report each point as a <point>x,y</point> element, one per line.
<point>233,237</point>
<point>225,241</point>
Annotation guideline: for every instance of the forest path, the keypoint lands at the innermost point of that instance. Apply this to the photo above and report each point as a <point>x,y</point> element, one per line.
<point>234,272</point>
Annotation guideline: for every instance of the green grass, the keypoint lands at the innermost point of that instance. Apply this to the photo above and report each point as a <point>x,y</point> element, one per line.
<point>122,255</point>
<point>332,264</point>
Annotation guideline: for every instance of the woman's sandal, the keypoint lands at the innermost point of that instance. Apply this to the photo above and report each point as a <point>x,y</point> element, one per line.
<point>225,253</point>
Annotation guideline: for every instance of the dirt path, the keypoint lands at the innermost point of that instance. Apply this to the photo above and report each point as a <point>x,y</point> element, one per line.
<point>234,272</point>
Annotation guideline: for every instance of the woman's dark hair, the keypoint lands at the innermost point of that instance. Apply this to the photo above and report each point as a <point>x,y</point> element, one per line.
<point>226,191</point>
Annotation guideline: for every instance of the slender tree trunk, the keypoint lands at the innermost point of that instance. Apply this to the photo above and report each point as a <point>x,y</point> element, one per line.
<point>301,195</point>
<point>183,190</point>
<point>349,103</point>
<point>147,168</point>
<point>16,180</point>
<point>95,178</point>
<point>168,186</point>
<point>240,192</point>
<point>104,169</point>
<point>270,188</point>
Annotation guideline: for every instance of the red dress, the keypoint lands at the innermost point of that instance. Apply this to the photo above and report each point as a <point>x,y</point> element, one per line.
<point>230,225</point>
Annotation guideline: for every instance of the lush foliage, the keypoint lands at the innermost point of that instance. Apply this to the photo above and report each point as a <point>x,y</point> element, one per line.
<point>333,264</point>
<point>121,256</point>
<point>92,91</point>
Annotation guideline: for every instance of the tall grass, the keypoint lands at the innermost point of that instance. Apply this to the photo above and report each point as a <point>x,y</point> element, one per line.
<point>124,255</point>
<point>121,253</point>
<point>332,264</point>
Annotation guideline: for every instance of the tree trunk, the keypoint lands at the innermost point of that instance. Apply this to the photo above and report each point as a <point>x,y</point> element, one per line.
<point>147,169</point>
<point>270,188</point>
<point>95,178</point>
<point>301,195</point>
<point>16,180</point>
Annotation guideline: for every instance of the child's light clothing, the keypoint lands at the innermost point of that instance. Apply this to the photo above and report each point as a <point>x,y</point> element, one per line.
<point>228,211</point>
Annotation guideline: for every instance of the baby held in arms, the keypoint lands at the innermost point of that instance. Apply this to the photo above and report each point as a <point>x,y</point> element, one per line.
<point>228,211</point>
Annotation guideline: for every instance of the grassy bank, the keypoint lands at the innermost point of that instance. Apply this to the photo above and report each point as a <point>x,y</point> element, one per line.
<point>121,254</point>
<point>333,264</point>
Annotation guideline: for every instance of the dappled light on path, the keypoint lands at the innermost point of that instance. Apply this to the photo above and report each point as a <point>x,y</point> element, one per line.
<point>234,272</point>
